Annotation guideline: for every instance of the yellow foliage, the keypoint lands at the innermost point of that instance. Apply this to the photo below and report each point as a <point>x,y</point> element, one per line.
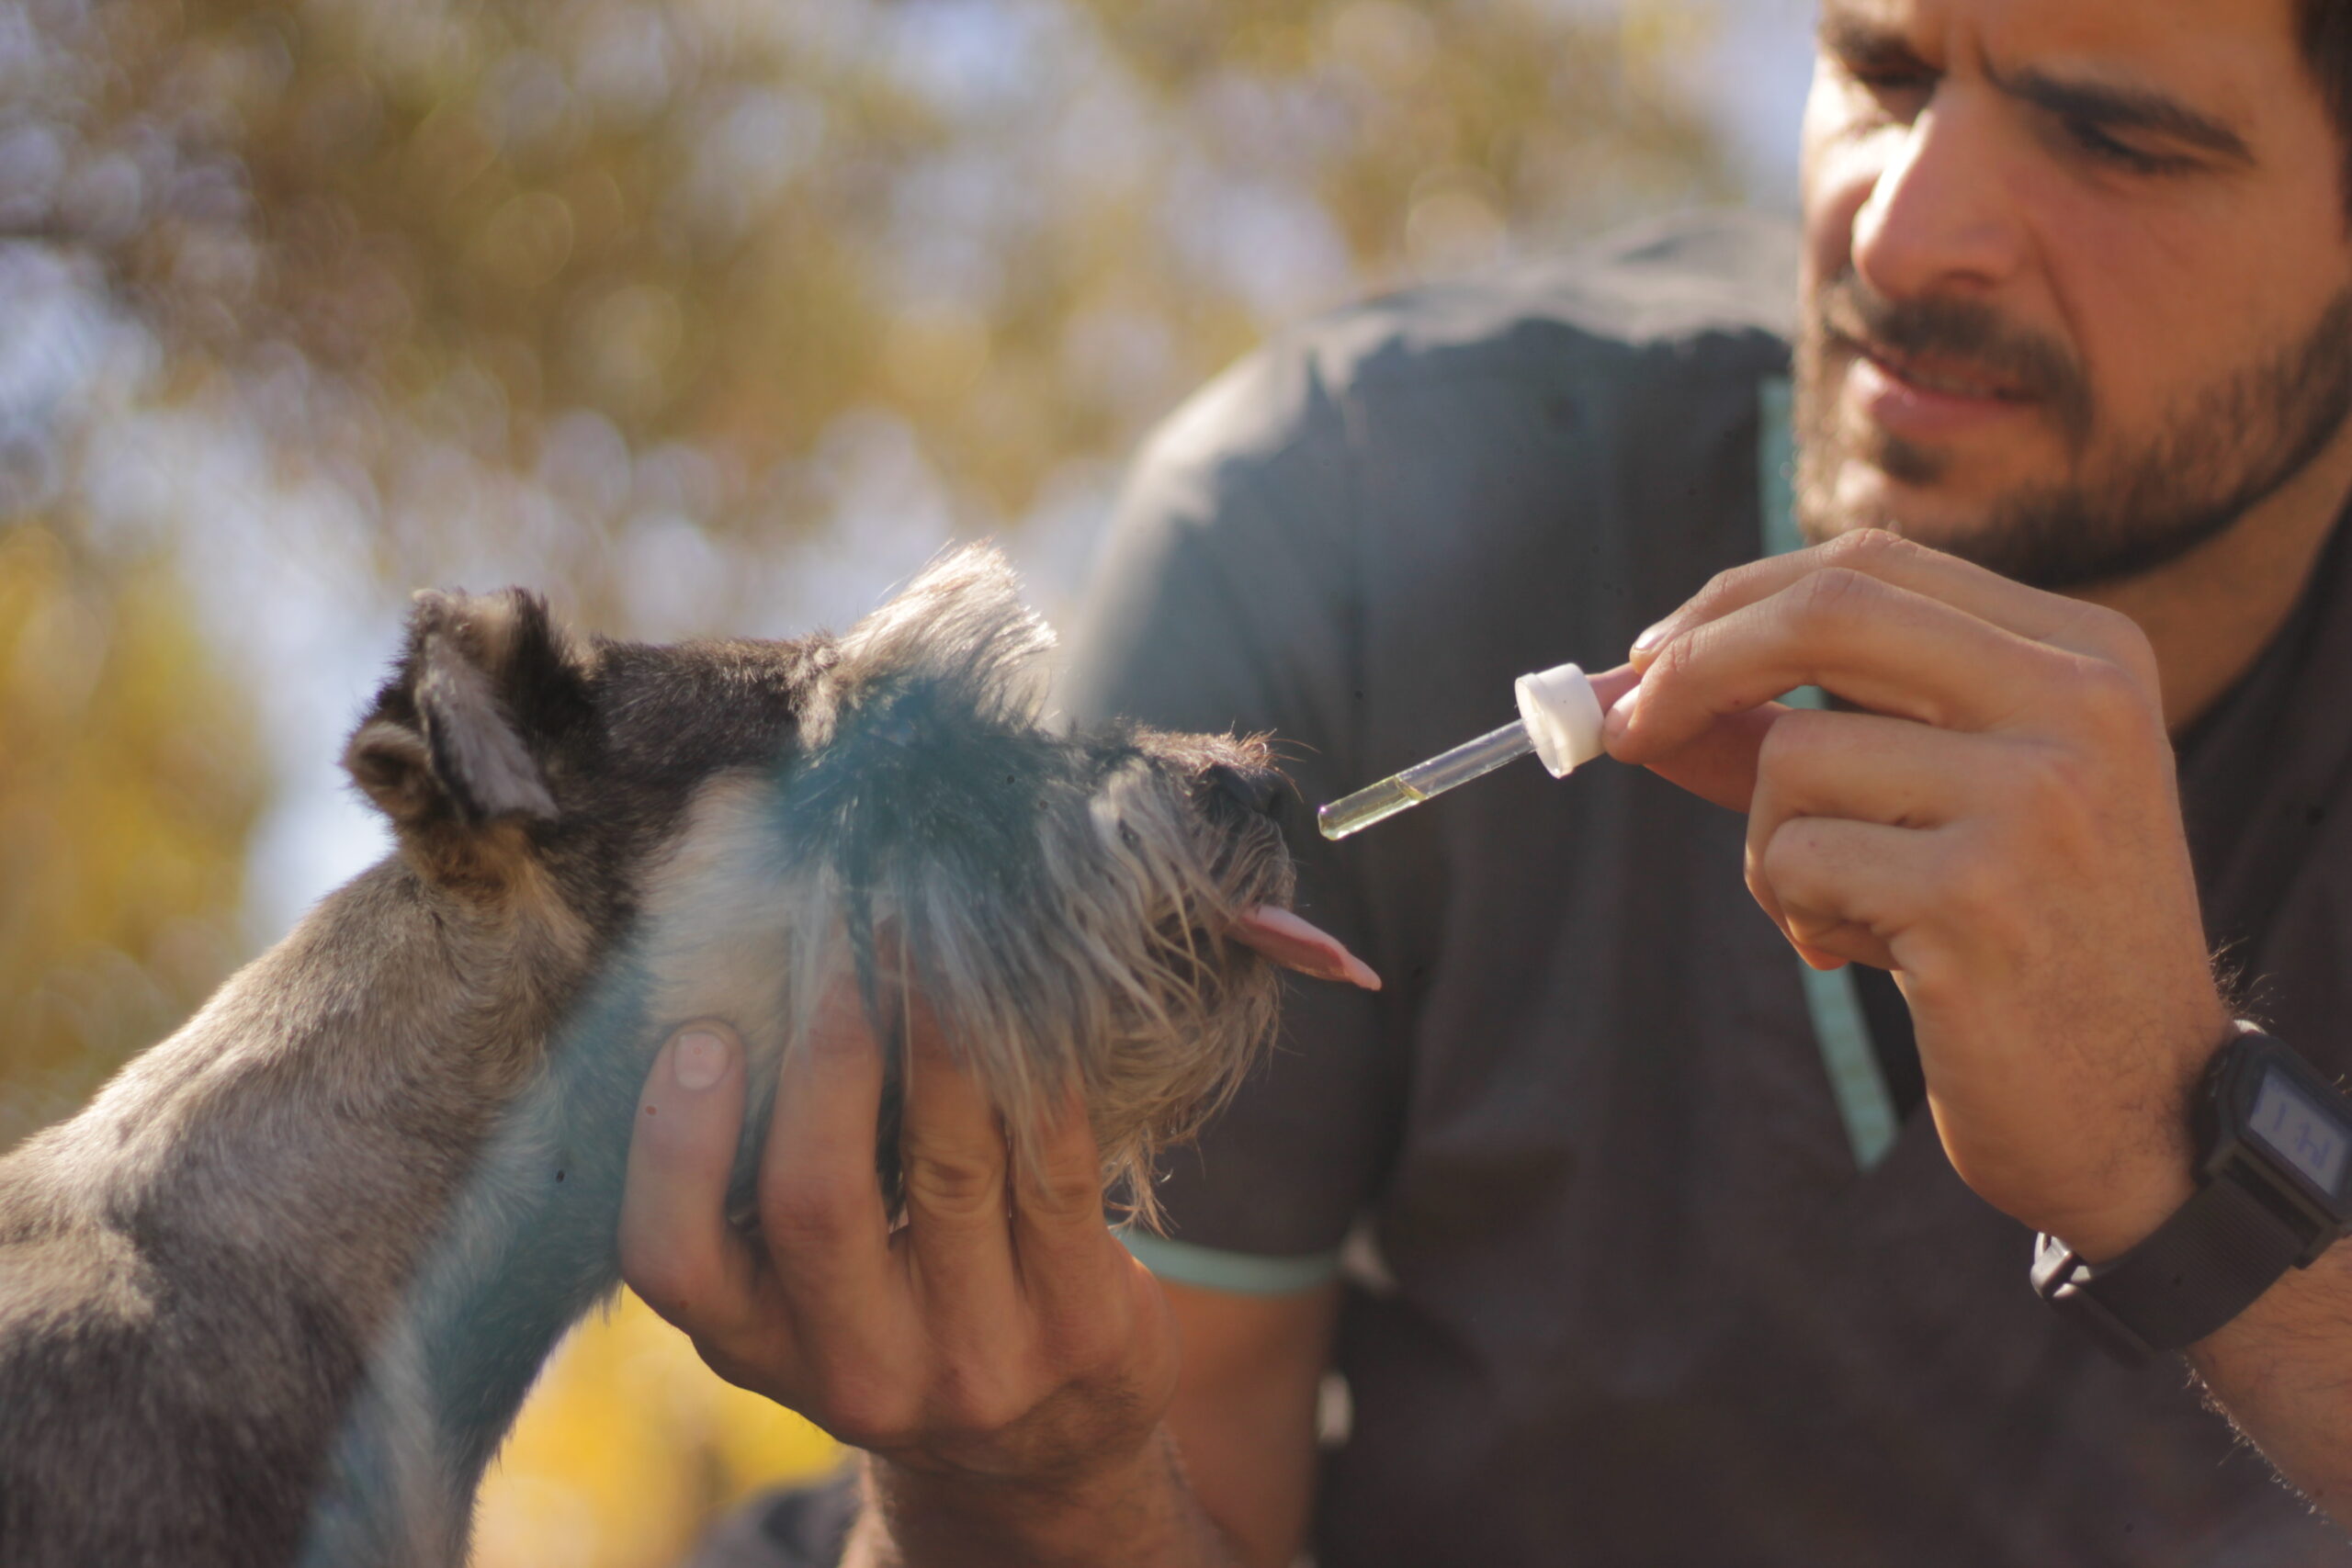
<point>1022,229</point>
<point>127,789</point>
<point>630,1448</point>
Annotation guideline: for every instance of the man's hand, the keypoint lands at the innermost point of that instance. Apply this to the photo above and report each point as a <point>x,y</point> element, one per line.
<point>2001,827</point>
<point>1001,1356</point>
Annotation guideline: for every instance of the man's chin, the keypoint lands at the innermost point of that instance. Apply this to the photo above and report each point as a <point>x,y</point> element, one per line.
<point>1948,493</point>
<point>2038,501</point>
<point>1974,530</point>
<point>2050,540</point>
<point>1867,497</point>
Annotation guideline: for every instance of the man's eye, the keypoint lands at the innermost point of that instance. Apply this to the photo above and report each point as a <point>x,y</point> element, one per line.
<point>2087,136</point>
<point>1892,81</point>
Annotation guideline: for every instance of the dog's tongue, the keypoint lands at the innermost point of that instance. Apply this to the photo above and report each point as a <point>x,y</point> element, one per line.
<point>1295,944</point>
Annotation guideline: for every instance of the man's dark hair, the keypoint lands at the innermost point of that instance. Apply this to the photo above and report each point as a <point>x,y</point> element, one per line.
<point>2324,28</point>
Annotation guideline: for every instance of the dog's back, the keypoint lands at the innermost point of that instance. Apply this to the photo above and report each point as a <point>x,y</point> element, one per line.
<point>180,1332</point>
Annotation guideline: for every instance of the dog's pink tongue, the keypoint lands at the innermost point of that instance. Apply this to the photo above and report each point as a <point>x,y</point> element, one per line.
<point>1295,944</point>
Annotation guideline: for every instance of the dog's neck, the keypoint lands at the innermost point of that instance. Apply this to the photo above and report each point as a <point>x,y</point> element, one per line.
<point>410,1113</point>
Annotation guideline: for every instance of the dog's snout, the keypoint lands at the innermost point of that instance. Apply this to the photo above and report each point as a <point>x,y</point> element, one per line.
<point>1254,788</point>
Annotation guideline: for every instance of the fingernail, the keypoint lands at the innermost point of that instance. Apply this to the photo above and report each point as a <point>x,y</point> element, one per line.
<point>698,1059</point>
<point>1620,713</point>
<point>1650,638</point>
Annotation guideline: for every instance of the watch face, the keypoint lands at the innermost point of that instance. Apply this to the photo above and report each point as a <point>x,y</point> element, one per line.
<point>2293,1127</point>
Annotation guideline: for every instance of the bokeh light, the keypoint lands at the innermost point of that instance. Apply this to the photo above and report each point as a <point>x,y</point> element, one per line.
<point>706,315</point>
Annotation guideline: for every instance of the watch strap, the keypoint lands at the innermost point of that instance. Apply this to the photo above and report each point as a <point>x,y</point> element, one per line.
<point>2203,1266</point>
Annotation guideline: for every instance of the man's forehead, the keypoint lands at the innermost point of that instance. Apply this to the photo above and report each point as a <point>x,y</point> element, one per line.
<point>2233,61</point>
<point>2263,31</point>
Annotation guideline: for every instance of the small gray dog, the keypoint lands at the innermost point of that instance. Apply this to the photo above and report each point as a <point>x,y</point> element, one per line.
<point>275,1296</point>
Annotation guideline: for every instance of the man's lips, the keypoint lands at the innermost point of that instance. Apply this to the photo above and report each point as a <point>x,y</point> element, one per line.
<point>1942,379</point>
<point>1931,374</point>
<point>1927,399</point>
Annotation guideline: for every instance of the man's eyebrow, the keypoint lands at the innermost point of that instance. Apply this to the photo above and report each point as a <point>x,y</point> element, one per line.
<point>2130,108</point>
<point>1859,41</point>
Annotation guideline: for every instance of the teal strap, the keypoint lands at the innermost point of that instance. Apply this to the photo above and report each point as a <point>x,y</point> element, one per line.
<point>1242,1273</point>
<point>1776,460</point>
<point>1855,1080</point>
<point>1776,457</point>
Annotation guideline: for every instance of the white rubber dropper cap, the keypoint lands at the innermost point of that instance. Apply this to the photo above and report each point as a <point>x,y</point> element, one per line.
<point>1562,716</point>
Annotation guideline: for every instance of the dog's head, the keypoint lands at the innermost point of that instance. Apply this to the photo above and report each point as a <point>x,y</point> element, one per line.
<point>742,822</point>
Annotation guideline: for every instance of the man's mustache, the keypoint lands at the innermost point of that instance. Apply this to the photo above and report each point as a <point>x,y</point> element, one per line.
<point>1965,336</point>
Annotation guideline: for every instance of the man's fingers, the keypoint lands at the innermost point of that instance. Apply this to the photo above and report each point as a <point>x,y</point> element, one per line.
<point>676,1248</point>
<point>1060,1240</point>
<point>1897,562</point>
<point>1718,764</point>
<point>1850,890</point>
<point>821,1204</point>
<point>1885,648</point>
<point>1611,684</point>
<point>952,1150</point>
<point>1864,768</point>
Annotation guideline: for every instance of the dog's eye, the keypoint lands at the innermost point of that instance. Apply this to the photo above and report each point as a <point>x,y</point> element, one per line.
<point>1253,790</point>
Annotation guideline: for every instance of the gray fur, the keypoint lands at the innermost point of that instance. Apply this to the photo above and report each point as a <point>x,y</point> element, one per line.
<point>275,1295</point>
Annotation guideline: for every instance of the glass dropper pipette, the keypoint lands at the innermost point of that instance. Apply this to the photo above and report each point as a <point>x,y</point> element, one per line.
<point>1397,792</point>
<point>1560,720</point>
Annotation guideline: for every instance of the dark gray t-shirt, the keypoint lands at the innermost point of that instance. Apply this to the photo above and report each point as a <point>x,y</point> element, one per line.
<point>1633,1302</point>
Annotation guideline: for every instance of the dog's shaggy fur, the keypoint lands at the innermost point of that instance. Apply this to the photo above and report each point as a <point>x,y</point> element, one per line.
<point>275,1296</point>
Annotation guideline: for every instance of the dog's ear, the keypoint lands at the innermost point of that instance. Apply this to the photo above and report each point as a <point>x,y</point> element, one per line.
<point>449,742</point>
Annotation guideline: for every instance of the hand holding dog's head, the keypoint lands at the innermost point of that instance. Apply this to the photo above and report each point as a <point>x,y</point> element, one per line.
<point>357,1199</point>
<point>739,820</point>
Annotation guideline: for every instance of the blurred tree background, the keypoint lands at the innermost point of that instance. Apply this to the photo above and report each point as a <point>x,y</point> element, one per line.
<point>700,315</point>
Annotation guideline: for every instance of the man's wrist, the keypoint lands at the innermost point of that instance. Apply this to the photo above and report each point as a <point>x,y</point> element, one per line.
<point>2150,1184</point>
<point>2152,1195</point>
<point>1139,1511</point>
<point>2270,1147</point>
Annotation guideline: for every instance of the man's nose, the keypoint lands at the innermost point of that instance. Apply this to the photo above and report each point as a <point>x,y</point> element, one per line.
<point>1942,216</point>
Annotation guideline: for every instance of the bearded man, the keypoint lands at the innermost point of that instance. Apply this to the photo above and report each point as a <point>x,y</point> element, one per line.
<point>1648,1221</point>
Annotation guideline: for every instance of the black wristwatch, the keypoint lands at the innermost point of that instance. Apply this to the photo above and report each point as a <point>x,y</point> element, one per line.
<point>2274,1166</point>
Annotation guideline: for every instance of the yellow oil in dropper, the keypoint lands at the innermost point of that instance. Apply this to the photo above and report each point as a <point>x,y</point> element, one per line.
<point>1401,792</point>
<point>1560,720</point>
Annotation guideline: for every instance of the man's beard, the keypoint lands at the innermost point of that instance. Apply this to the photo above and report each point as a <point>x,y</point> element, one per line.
<point>2220,452</point>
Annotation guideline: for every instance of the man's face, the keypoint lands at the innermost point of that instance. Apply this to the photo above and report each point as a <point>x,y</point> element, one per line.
<point>2077,282</point>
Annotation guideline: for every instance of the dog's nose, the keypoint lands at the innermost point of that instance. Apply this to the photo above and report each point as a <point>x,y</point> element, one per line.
<point>1254,788</point>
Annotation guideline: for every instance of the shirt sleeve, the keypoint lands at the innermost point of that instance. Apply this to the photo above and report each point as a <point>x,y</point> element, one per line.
<point>1225,599</point>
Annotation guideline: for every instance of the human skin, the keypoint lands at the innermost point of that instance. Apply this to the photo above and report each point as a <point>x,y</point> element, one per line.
<point>2001,827</point>
<point>1000,1356</point>
<point>2002,830</point>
